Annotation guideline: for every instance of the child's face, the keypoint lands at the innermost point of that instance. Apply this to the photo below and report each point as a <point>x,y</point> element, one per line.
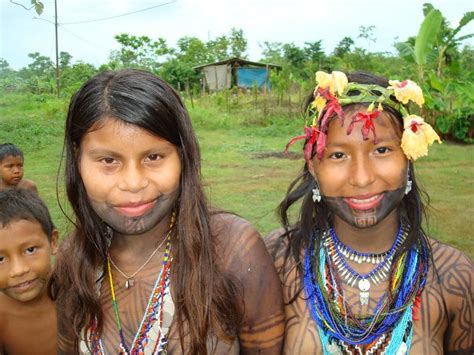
<point>25,260</point>
<point>362,182</point>
<point>11,170</point>
<point>131,176</point>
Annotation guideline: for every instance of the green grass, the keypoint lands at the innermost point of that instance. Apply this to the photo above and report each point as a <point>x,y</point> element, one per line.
<point>234,176</point>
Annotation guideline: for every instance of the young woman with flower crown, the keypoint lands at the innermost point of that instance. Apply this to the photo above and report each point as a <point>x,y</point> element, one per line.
<point>359,274</point>
<point>149,267</point>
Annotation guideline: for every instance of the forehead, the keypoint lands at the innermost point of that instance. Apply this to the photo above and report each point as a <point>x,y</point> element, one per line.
<point>20,231</point>
<point>386,128</point>
<point>12,159</point>
<point>117,134</point>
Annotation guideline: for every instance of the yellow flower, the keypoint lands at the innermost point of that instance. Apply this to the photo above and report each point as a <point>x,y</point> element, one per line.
<point>319,103</point>
<point>336,81</point>
<point>417,137</point>
<point>407,90</point>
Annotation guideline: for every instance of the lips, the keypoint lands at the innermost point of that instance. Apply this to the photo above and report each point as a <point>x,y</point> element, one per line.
<point>24,286</point>
<point>362,203</point>
<point>135,209</point>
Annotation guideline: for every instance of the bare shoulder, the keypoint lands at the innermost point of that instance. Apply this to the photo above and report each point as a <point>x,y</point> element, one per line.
<point>28,185</point>
<point>455,271</point>
<point>449,298</point>
<point>234,235</point>
<point>449,261</point>
<point>243,256</point>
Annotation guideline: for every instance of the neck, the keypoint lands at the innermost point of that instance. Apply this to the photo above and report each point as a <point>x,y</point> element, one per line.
<point>375,239</point>
<point>137,246</point>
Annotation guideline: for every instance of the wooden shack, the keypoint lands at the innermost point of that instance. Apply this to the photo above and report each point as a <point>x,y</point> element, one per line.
<point>235,72</point>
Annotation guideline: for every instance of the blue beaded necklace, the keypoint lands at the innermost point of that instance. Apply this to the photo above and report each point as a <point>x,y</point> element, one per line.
<point>391,325</point>
<point>352,277</point>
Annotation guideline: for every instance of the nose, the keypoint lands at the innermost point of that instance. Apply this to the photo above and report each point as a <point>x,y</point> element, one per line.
<point>18,267</point>
<point>133,178</point>
<point>362,173</point>
<point>17,169</point>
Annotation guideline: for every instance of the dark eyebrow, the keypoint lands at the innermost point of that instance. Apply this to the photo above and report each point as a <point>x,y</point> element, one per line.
<point>101,151</point>
<point>389,138</point>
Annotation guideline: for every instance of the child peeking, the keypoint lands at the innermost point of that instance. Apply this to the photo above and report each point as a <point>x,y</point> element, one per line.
<point>28,239</point>
<point>11,169</point>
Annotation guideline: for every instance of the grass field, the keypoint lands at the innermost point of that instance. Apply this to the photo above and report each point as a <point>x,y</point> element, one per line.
<point>243,170</point>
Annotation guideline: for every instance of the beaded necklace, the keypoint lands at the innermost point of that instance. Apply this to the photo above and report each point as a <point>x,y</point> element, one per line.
<point>390,328</point>
<point>352,277</point>
<point>150,331</point>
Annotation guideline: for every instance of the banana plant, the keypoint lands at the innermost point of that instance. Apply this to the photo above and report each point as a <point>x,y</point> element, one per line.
<point>426,38</point>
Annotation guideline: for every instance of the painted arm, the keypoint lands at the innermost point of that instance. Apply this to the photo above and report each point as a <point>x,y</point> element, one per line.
<point>248,261</point>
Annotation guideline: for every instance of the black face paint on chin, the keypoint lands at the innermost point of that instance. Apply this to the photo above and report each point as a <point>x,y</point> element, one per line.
<point>365,218</point>
<point>127,225</point>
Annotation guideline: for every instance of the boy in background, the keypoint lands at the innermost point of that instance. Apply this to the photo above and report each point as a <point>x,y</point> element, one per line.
<point>11,169</point>
<point>28,239</point>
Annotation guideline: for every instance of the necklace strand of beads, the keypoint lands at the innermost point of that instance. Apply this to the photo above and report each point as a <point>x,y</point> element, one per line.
<point>389,330</point>
<point>150,331</point>
<point>352,277</point>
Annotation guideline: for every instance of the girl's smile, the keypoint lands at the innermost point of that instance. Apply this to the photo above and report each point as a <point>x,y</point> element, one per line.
<point>363,203</point>
<point>136,209</point>
<point>361,181</point>
<point>131,176</point>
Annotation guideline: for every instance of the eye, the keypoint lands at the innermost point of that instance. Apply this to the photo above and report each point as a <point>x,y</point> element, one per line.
<point>2,259</point>
<point>108,161</point>
<point>30,250</point>
<point>153,157</point>
<point>382,150</point>
<point>337,156</point>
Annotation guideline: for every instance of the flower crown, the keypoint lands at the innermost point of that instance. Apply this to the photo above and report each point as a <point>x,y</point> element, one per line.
<point>331,93</point>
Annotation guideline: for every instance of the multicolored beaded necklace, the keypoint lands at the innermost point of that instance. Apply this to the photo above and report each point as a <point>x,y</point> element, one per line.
<point>151,337</point>
<point>389,330</point>
<point>337,251</point>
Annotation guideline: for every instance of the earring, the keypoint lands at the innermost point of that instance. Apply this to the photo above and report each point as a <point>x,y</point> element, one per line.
<point>409,182</point>
<point>108,232</point>
<point>316,194</point>
<point>408,186</point>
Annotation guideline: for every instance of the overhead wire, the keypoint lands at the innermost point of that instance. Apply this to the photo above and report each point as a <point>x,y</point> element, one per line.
<point>121,15</point>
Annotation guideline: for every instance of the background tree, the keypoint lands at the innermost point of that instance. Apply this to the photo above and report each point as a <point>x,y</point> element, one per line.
<point>343,47</point>
<point>64,60</point>
<point>237,43</point>
<point>272,52</point>
<point>139,52</point>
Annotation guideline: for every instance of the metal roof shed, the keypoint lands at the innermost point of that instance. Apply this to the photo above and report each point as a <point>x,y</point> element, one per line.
<point>235,72</point>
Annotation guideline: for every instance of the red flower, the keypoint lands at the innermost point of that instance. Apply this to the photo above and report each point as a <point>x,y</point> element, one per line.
<point>414,126</point>
<point>368,119</point>
<point>311,136</point>
<point>332,106</point>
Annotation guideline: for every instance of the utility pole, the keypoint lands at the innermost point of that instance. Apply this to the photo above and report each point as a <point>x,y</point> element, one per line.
<point>57,49</point>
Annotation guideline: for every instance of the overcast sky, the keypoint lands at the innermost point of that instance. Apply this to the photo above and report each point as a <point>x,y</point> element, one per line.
<point>286,21</point>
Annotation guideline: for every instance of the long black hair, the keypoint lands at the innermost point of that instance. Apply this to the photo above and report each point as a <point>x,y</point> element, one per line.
<point>203,294</point>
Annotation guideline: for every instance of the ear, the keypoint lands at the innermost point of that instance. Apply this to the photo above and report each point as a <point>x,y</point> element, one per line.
<point>310,164</point>
<point>54,242</point>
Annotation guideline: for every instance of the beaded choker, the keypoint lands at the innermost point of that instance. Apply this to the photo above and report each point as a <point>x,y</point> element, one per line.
<point>352,277</point>
<point>390,328</point>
